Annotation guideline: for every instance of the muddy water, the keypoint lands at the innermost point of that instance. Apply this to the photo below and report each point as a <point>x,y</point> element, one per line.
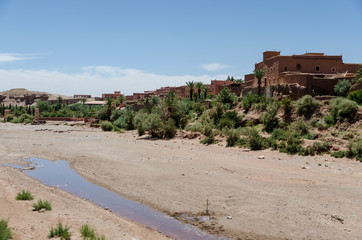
<point>59,174</point>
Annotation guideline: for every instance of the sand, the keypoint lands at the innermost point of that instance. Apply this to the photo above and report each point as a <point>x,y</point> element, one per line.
<point>276,196</point>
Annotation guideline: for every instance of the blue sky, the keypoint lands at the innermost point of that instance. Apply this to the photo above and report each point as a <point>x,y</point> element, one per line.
<point>88,46</point>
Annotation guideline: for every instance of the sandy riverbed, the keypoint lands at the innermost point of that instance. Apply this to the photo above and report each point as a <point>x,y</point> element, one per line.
<point>278,197</point>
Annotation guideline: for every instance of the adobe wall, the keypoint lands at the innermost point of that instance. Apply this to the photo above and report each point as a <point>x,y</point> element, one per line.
<point>328,65</point>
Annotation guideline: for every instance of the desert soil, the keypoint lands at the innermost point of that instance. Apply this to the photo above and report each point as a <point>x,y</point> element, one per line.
<point>276,196</point>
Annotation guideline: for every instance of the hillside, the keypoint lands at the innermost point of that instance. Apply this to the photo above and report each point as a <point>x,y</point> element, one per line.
<point>22,96</point>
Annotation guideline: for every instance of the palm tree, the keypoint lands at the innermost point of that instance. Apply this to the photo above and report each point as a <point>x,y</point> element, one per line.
<point>205,90</point>
<point>259,74</point>
<point>199,86</point>
<point>191,85</point>
<point>121,99</point>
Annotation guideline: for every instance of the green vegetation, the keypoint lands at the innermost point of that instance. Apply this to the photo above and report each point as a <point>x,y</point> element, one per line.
<point>24,195</point>
<point>307,105</point>
<point>355,96</point>
<point>342,87</point>
<point>42,205</point>
<point>259,74</point>
<point>343,109</point>
<point>107,126</point>
<point>60,231</point>
<point>89,233</point>
<point>5,231</point>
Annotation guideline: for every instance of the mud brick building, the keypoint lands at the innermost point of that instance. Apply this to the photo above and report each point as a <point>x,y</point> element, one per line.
<point>316,71</point>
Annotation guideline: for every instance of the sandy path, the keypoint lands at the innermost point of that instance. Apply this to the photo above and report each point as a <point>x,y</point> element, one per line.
<point>271,198</point>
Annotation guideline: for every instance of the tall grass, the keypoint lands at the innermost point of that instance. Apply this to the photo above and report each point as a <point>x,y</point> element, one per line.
<point>42,205</point>
<point>24,195</point>
<point>60,231</point>
<point>5,231</point>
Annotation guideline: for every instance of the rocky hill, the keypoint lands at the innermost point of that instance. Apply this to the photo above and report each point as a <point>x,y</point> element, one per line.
<point>22,96</point>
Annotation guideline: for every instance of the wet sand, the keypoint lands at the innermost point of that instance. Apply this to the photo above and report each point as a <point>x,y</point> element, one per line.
<point>278,197</point>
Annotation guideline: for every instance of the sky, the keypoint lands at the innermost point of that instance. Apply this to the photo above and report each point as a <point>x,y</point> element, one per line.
<point>93,47</point>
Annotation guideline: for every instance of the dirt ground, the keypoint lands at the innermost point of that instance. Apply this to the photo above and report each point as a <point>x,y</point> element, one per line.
<point>276,196</point>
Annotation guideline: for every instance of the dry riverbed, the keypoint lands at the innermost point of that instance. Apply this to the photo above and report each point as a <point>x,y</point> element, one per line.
<point>275,197</point>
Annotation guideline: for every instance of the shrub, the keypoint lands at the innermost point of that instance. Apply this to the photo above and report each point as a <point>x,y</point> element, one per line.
<point>120,122</point>
<point>232,138</point>
<point>339,154</point>
<point>279,134</point>
<point>116,114</point>
<point>329,120</point>
<point>248,100</point>
<point>292,144</point>
<point>269,119</point>
<point>355,96</point>
<point>287,106</point>
<point>342,87</point>
<point>209,135</point>
<point>107,126</point>
<point>16,120</point>
<point>217,113</point>
<point>87,232</point>
<point>9,118</point>
<point>234,117</point>
<point>321,148</point>
<point>255,140</point>
<point>300,127</point>
<point>307,105</point>
<point>44,106</point>
<point>60,231</point>
<point>168,129</point>
<point>342,108</point>
<point>42,205</point>
<point>198,107</point>
<point>5,231</point>
<point>355,150</point>
<point>24,195</point>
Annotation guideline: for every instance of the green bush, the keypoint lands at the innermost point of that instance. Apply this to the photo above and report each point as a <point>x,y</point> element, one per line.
<point>300,126</point>
<point>16,120</point>
<point>89,233</point>
<point>355,150</point>
<point>355,96</point>
<point>255,140</point>
<point>216,113</point>
<point>307,105</point>
<point>292,144</point>
<point>9,118</point>
<point>269,118</point>
<point>44,106</point>
<point>120,122</point>
<point>106,126</point>
<point>329,120</point>
<point>339,154</point>
<point>342,87</point>
<point>232,138</point>
<point>287,106</point>
<point>209,135</point>
<point>42,205</point>
<point>5,231</point>
<point>279,134</point>
<point>199,108</point>
<point>60,231</point>
<point>248,100</point>
<point>321,148</point>
<point>342,109</point>
<point>24,195</point>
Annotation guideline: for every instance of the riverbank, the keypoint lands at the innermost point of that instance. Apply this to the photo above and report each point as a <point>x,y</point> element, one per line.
<point>271,197</point>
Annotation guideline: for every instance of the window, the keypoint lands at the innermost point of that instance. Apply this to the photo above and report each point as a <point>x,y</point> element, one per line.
<point>285,68</point>
<point>317,68</point>
<point>333,69</point>
<point>299,66</point>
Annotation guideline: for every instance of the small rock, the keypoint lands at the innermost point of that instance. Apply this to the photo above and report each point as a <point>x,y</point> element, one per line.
<point>42,210</point>
<point>261,157</point>
<point>229,217</point>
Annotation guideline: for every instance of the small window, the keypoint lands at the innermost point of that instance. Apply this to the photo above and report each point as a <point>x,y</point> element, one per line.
<point>285,69</point>
<point>317,68</point>
<point>333,69</point>
<point>299,66</point>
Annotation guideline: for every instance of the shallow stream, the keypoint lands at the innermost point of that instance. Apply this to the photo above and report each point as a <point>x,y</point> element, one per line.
<point>61,175</point>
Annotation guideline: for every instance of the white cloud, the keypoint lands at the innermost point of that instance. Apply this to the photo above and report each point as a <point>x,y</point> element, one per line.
<point>93,80</point>
<point>12,57</point>
<point>214,66</point>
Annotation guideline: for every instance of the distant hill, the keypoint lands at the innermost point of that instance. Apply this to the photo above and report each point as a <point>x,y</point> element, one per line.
<point>22,96</point>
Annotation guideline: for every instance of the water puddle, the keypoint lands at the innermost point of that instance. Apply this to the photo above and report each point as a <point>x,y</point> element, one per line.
<point>59,174</point>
